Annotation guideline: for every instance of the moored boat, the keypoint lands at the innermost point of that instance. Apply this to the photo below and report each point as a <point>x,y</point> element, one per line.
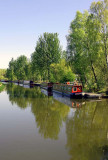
<point>72,90</point>
<point>48,86</point>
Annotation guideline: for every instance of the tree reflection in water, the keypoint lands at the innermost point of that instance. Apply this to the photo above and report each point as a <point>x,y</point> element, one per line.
<point>49,113</point>
<point>2,87</point>
<point>87,131</point>
<point>22,96</point>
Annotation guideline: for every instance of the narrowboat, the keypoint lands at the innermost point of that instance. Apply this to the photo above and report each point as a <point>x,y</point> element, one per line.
<point>72,90</point>
<point>48,86</point>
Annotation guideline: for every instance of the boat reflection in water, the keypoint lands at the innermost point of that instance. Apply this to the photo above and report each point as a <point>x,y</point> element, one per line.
<point>73,103</point>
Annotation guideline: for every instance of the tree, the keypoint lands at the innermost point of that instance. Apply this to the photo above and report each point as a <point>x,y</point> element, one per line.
<point>34,68</point>
<point>19,69</point>
<point>47,51</point>
<point>100,12</point>
<point>93,46</point>
<point>61,72</point>
<point>76,54</point>
<point>10,71</point>
<point>87,46</point>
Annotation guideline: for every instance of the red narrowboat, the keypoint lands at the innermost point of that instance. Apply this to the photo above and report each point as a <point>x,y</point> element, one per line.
<point>73,90</point>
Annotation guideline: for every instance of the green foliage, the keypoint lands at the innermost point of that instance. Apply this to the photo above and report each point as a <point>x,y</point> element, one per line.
<point>2,73</point>
<point>61,72</point>
<point>76,55</point>
<point>87,50</point>
<point>19,69</point>
<point>10,71</point>
<point>47,51</point>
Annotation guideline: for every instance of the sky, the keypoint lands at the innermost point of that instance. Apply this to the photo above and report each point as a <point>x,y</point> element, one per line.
<point>23,21</point>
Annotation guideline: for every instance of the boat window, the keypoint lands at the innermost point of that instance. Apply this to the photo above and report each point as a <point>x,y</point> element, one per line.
<point>74,88</point>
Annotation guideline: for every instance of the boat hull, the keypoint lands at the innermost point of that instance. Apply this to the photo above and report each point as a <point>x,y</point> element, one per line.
<point>70,95</point>
<point>68,90</point>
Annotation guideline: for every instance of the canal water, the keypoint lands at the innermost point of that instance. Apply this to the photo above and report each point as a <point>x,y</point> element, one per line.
<point>37,125</point>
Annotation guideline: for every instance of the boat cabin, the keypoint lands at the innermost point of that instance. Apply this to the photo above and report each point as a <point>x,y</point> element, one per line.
<point>76,89</point>
<point>70,89</point>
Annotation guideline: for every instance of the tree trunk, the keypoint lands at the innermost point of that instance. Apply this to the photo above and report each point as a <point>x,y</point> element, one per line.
<point>105,47</point>
<point>93,72</point>
<point>48,73</point>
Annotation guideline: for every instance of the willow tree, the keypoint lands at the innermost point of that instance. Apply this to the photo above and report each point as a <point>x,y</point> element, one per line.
<point>47,51</point>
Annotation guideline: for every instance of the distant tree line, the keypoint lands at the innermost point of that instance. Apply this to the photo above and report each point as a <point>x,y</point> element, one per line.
<point>86,56</point>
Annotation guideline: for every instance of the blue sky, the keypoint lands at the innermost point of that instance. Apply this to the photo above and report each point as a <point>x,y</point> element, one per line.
<point>22,22</point>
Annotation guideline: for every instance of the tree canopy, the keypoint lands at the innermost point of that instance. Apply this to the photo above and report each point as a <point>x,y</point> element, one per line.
<point>47,51</point>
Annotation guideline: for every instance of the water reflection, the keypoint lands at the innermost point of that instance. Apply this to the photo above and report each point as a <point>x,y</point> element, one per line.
<point>49,113</point>
<point>86,122</point>
<point>2,88</point>
<point>87,131</point>
<point>22,96</point>
<point>73,103</point>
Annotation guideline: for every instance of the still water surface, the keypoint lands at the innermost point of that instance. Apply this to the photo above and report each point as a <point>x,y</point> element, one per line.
<point>36,126</point>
